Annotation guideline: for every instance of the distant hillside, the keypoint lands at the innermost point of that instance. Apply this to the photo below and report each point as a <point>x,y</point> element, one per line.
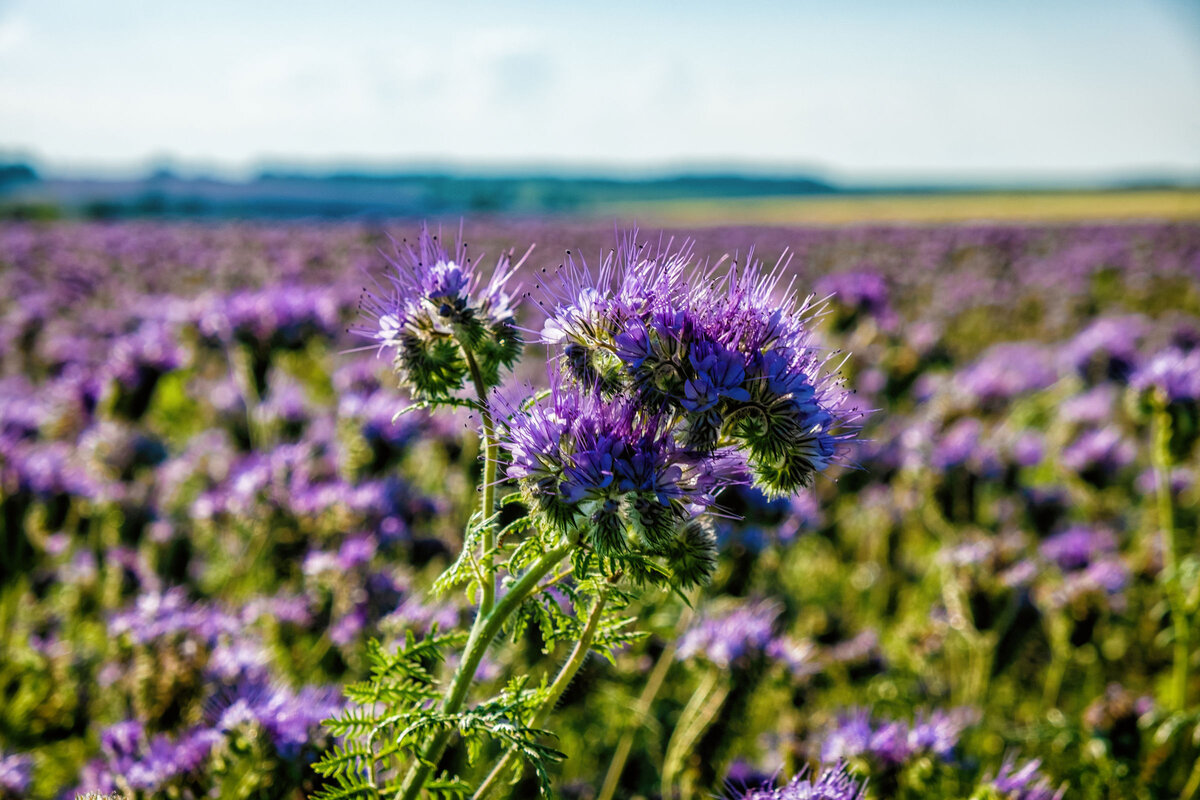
<point>698,198</point>
<point>281,195</point>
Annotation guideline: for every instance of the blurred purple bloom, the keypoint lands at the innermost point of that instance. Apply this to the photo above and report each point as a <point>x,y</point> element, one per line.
<point>1077,547</point>
<point>158,615</point>
<point>16,774</point>
<point>1172,373</point>
<point>1095,406</point>
<point>891,742</point>
<point>1024,782</point>
<point>832,784</point>
<point>1099,454</point>
<point>1005,371</point>
<point>726,638</point>
<point>291,719</point>
<point>862,292</point>
<point>1107,349</point>
<point>147,765</point>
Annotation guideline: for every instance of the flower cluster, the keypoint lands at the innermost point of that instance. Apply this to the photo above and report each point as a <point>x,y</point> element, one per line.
<point>727,359</point>
<point>288,718</point>
<point>138,762</point>
<point>891,743</point>
<point>676,382</point>
<point>440,321</point>
<point>604,470</point>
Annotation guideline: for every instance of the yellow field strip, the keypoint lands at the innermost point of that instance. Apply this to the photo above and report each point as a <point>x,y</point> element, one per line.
<point>999,207</point>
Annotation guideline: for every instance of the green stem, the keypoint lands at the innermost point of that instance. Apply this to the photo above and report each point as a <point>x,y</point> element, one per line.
<point>1060,656</point>
<point>642,708</point>
<point>1176,602</point>
<point>1193,783</point>
<point>491,457</point>
<point>486,627</point>
<point>565,675</point>
<point>692,721</point>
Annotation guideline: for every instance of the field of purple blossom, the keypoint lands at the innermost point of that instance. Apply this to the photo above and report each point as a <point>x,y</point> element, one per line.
<point>209,508</point>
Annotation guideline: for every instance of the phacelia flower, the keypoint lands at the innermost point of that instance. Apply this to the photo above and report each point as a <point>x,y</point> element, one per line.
<point>731,637</point>
<point>832,784</point>
<point>16,773</point>
<point>890,743</point>
<point>614,476</point>
<point>726,359</point>
<point>439,320</point>
<point>1173,373</point>
<point>1171,381</point>
<point>1023,782</point>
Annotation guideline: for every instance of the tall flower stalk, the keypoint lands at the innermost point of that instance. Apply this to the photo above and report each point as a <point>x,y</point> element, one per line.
<point>671,381</point>
<point>1168,389</point>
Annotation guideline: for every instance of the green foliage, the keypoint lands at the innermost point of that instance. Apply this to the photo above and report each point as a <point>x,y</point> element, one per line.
<point>391,716</point>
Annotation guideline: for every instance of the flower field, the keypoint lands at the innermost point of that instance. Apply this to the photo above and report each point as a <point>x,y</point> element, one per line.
<point>971,569</point>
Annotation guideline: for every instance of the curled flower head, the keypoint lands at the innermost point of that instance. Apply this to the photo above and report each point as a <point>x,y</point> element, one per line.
<point>726,359</point>
<point>615,476</point>
<point>440,320</point>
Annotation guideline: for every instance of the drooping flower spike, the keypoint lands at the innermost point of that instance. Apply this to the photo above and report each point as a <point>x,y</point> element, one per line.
<point>441,320</point>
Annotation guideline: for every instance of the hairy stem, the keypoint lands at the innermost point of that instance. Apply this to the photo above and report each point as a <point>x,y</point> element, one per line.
<point>486,627</point>
<point>1176,602</point>
<point>565,675</point>
<point>491,455</point>
<point>642,708</point>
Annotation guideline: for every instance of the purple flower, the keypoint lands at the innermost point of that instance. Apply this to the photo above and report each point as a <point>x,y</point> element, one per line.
<point>610,471</point>
<point>1024,782</point>
<point>890,742</point>
<point>1172,373</point>
<point>1077,547</point>
<point>158,615</point>
<point>292,720</point>
<point>832,784</point>
<point>438,318</point>
<point>147,765</point>
<point>16,774</point>
<point>860,292</point>
<point>1004,372</point>
<point>1107,348</point>
<point>731,356</point>
<point>1097,455</point>
<point>731,637</point>
<point>1094,406</point>
<point>268,319</point>
<point>963,444</point>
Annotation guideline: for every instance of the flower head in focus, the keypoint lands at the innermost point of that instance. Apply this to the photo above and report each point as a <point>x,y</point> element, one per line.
<point>440,320</point>
<point>725,359</point>
<point>614,476</point>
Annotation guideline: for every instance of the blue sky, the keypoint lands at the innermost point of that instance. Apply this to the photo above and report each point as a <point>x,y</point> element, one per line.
<point>953,90</point>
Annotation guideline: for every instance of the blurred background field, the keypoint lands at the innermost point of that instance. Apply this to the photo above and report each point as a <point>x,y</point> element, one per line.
<point>208,507</point>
